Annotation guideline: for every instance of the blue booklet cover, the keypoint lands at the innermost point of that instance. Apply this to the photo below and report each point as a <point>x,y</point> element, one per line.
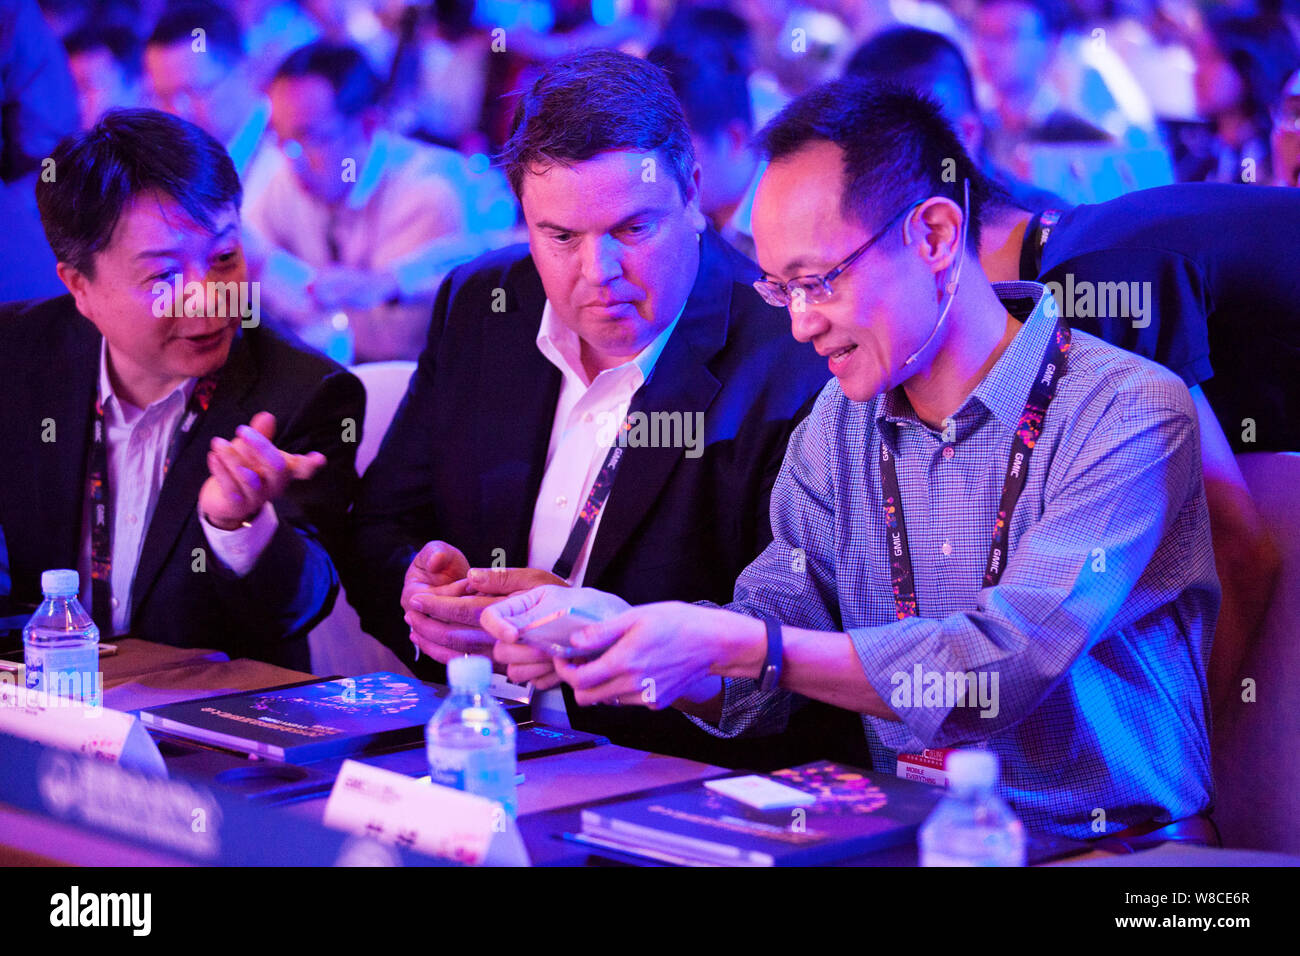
<point>308,722</point>
<point>855,812</point>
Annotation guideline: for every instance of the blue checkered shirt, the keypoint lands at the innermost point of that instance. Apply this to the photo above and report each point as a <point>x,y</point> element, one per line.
<point>1087,660</point>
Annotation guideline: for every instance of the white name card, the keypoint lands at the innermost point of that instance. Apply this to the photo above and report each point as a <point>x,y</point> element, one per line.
<point>433,819</point>
<point>99,732</point>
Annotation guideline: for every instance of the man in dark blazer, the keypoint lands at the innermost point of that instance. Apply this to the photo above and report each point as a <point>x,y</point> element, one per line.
<point>476,455</point>
<point>118,396</point>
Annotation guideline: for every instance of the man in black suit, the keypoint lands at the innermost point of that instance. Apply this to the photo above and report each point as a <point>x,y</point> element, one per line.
<point>140,410</point>
<point>624,349</point>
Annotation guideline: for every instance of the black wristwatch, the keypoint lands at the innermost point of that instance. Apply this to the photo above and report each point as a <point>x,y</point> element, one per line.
<point>770,678</point>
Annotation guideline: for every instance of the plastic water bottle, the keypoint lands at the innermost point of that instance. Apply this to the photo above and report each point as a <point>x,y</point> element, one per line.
<point>470,740</point>
<point>61,643</point>
<point>971,825</point>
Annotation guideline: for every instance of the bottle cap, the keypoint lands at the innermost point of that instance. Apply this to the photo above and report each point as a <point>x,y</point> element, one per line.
<point>469,673</point>
<point>972,769</point>
<point>60,583</point>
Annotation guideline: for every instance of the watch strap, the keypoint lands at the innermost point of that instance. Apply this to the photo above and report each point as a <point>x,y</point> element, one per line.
<point>770,678</point>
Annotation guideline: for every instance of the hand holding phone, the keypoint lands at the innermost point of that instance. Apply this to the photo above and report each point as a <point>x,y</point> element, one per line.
<point>552,634</point>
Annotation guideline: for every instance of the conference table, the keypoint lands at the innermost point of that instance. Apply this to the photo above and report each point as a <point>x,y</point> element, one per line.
<point>143,675</point>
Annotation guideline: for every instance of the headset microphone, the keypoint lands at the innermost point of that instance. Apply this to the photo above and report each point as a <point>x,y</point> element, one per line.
<point>951,286</point>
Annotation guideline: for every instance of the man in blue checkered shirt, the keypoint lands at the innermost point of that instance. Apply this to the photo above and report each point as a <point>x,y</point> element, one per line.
<point>1082,665</point>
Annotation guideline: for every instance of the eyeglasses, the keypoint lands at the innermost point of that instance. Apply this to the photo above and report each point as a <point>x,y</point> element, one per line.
<point>817,288</point>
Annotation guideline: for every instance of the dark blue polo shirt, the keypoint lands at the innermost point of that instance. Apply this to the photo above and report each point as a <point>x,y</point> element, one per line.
<point>1217,294</point>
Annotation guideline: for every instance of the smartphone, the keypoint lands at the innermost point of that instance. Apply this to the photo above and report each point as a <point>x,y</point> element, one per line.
<point>553,632</point>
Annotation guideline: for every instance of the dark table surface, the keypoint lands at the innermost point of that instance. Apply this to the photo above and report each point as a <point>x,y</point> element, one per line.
<point>550,799</point>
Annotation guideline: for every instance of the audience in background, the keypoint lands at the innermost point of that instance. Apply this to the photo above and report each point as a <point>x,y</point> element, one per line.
<point>439,76</point>
<point>932,63</point>
<point>1093,81</point>
<point>1286,134</point>
<point>38,104</point>
<point>1150,38</point>
<point>106,66</point>
<point>712,90</point>
<point>272,30</point>
<point>66,16</point>
<point>196,69</point>
<point>1241,64</point>
<point>1016,42</point>
<point>358,227</point>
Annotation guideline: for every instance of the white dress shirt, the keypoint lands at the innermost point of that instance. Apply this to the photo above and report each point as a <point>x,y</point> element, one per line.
<point>581,432</point>
<point>136,441</point>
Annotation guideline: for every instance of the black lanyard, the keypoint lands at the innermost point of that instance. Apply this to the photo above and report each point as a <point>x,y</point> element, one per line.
<point>1034,243</point>
<point>101,533</point>
<point>600,489</point>
<point>1022,447</point>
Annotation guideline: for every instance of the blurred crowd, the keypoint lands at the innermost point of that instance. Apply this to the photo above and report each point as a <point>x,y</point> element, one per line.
<point>364,130</point>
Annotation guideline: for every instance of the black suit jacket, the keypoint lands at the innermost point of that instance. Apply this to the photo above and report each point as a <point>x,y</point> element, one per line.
<point>49,367</point>
<point>464,457</point>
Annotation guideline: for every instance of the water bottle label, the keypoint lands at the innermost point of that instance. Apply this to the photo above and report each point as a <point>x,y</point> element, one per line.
<point>486,773</point>
<point>447,767</point>
<point>71,672</point>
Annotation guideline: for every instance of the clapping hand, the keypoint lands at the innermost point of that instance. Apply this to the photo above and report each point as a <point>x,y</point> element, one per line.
<point>248,472</point>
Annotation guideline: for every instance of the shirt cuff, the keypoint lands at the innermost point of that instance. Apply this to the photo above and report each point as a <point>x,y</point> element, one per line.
<point>747,710</point>
<point>898,659</point>
<point>239,549</point>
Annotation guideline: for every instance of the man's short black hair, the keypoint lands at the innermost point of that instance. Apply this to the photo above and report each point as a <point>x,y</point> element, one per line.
<point>356,85</point>
<point>594,102</point>
<point>221,31</point>
<point>99,172</point>
<point>120,42</point>
<point>898,148</point>
<point>921,59</point>
<point>712,89</point>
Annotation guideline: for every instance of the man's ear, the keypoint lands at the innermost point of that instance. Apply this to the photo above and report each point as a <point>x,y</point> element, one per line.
<point>77,284</point>
<point>937,232</point>
<point>693,212</point>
